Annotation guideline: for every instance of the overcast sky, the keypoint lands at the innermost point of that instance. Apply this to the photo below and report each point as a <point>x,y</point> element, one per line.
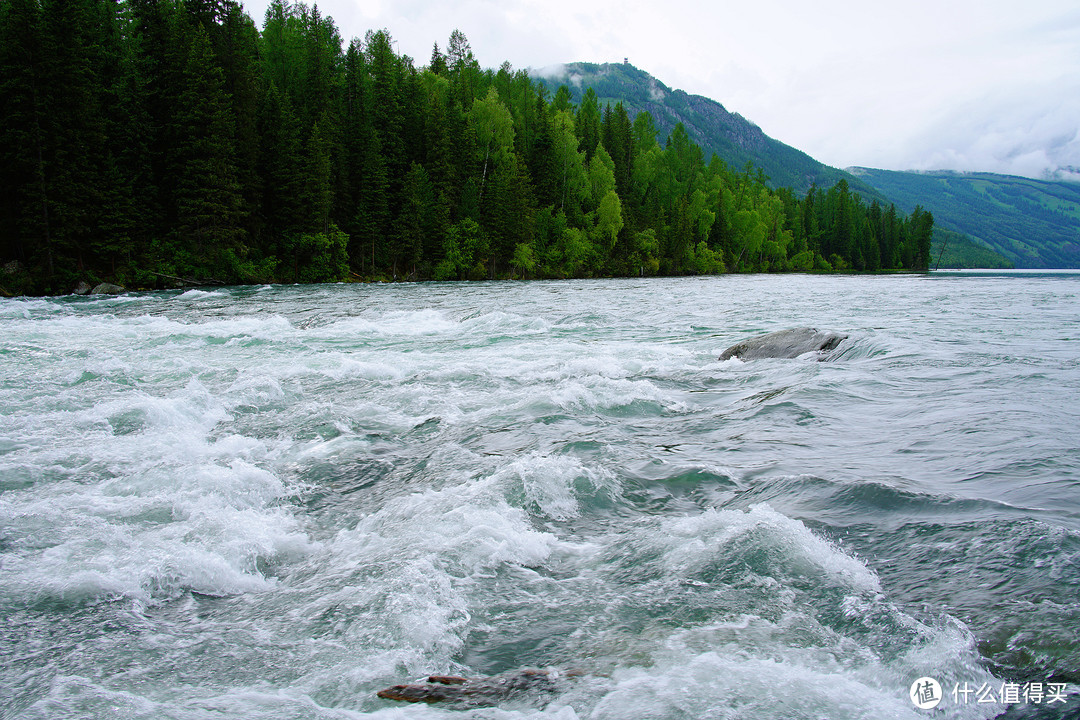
<point>921,84</point>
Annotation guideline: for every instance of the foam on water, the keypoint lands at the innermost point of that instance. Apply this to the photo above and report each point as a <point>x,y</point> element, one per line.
<point>549,486</point>
<point>141,502</point>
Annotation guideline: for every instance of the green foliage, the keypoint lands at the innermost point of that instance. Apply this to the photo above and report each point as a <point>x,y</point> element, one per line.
<point>524,260</point>
<point>208,196</point>
<point>171,137</point>
<point>609,219</point>
<point>324,256</point>
<point>494,128</point>
<point>956,251</point>
<point>645,253</point>
<point>601,175</point>
<point>466,250</point>
<point>803,262</point>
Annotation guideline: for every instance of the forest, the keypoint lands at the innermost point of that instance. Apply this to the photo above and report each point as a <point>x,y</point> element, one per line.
<point>160,143</point>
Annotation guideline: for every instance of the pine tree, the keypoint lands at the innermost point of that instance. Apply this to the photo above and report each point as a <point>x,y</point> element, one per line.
<point>237,52</point>
<point>25,229</point>
<point>208,200</point>
<point>508,212</point>
<point>618,140</point>
<point>459,53</point>
<point>438,61</point>
<point>416,222</point>
<point>282,213</point>
<point>541,158</point>
<point>587,123</point>
<point>373,215</point>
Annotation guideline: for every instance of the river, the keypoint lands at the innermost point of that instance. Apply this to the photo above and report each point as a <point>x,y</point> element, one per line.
<point>272,502</point>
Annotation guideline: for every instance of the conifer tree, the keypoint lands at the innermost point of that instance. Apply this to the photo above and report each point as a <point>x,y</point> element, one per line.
<point>25,229</point>
<point>316,186</point>
<point>237,52</point>
<point>282,213</point>
<point>587,123</point>
<point>618,140</point>
<point>437,64</point>
<point>418,224</point>
<point>208,200</point>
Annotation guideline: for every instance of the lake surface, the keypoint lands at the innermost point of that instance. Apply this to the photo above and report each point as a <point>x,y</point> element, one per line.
<point>273,502</point>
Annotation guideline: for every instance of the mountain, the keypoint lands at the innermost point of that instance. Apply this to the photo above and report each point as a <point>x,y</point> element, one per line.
<point>732,137</point>
<point>1034,223</point>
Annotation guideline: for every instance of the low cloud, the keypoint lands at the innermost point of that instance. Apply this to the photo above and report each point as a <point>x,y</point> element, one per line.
<point>549,72</point>
<point>558,73</point>
<point>1034,133</point>
<point>655,92</point>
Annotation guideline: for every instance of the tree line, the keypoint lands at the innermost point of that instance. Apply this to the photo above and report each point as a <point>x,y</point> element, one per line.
<point>151,142</point>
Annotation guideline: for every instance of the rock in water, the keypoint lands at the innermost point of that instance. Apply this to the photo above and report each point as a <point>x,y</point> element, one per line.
<point>486,691</point>
<point>107,289</point>
<point>785,344</point>
<point>83,288</point>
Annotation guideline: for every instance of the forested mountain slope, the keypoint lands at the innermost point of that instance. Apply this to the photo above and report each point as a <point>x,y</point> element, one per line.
<point>1034,223</point>
<point>736,140</point>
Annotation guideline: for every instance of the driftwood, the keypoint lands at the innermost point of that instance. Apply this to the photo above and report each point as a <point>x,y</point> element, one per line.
<point>189,281</point>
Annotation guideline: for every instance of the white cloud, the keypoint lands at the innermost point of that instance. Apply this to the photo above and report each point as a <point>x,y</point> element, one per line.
<point>553,72</point>
<point>1028,131</point>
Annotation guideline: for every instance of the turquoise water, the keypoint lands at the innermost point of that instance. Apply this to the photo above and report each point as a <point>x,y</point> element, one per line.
<point>273,502</point>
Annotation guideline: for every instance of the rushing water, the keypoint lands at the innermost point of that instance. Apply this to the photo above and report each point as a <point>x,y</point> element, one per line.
<point>273,502</point>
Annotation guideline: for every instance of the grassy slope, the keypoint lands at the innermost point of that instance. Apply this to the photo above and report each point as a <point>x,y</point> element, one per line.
<point>1034,223</point>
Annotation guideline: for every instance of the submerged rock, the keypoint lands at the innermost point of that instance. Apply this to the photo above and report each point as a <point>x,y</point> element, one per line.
<point>486,691</point>
<point>786,344</point>
<point>107,289</point>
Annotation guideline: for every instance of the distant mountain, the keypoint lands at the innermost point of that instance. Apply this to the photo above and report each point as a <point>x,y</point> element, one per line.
<point>1034,223</point>
<point>736,140</point>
